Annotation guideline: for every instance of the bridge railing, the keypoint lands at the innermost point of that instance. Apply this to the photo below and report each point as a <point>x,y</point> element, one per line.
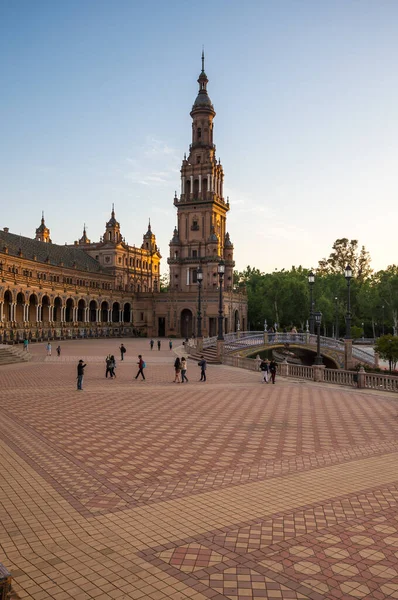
<point>360,379</point>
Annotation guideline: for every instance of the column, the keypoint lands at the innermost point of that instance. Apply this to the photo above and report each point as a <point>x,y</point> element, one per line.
<point>63,314</point>
<point>120,315</point>
<point>191,184</point>
<point>13,311</point>
<point>222,188</point>
<point>86,314</point>
<point>75,314</point>
<point>109,315</point>
<point>97,315</point>
<point>51,313</point>
<point>26,312</point>
<point>208,182</point>
<point>200,183</point>
<point>1,312</point>
<point>37,313</point>
<point>182,184</point>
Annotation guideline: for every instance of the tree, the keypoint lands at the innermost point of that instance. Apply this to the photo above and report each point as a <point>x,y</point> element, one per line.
<point>164,282</point>
<point>387,348</point>
<point>346,252</point>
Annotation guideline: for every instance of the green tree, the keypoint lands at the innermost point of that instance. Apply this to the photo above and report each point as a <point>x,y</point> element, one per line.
<point>164,282</point>
<point>387,347</point>
<point>346,252</point>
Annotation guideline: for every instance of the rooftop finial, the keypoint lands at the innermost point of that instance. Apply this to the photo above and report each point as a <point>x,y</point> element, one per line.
<point>149,224</point>
<point>113,209</point>
<point>203,59</point>
<point>42,216</point>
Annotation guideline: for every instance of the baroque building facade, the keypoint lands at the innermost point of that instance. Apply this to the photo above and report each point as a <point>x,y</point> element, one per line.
<point>87,289</point>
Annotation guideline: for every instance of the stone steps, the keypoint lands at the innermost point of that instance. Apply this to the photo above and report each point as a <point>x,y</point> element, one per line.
<point>210,355</point>
<point>13,354</point>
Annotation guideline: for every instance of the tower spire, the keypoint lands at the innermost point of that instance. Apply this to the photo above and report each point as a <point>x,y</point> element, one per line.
<point>203,59</point>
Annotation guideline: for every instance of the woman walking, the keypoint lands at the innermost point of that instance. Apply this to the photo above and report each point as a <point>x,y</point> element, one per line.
<point>184,370</point>
<point>177,370</point>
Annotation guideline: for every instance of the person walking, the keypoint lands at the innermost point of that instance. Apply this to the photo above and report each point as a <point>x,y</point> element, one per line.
<point>48,348</point>
<point>184,370</point>
<point>122,351</point>
<point>151,343</point>
<point>108,366</point>
<point>112,366</point>
<point>177,370</point>
<point>264,368</point>
<point>58,350</point>
<point>158,344</point>
<point>170,345</point>
<point>203,366</point>
<point>141,366</point>
<point>272,367</point>
<point>25,344</point>
<point>80,374</point>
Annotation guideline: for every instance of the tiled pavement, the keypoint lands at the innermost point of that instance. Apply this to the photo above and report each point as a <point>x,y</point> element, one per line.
<point>230,489</point>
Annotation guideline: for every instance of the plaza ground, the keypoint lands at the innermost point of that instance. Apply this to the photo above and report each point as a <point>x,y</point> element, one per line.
<point>229,489</point>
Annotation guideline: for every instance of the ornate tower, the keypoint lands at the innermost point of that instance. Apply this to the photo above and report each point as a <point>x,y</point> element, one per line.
<point>112,231</point>
<point>201,237</point>
<point>43,232</point>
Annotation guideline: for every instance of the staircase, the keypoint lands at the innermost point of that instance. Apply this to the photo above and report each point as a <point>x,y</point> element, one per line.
<point>13,354</point>
<point>210,355</point>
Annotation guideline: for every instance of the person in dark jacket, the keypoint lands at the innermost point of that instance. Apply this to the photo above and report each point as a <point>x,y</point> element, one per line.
<point>80,374</point>
<point>203,366</point>
<point>264,368</point>
<point>122,351</point>
<point>272,367</point>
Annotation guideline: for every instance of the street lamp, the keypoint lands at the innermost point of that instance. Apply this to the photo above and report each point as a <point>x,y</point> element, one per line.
<point>221,271</point>
<point>311,281</point>
<point>199,278</point>
<point>336,317</point>
<point>318,320</point>
<point>363,331</point>
<point>348,277</point>
<point>382,326</point>
<point>265,326</point>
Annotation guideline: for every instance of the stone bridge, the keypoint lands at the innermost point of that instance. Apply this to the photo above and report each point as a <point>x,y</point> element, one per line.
<point>246,343</point>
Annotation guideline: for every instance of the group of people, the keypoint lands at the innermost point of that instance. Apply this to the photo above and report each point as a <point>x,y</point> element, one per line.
<point>159,344</point>
<point>268,370</point>
<point>48,349</point>
<point>180,369</point>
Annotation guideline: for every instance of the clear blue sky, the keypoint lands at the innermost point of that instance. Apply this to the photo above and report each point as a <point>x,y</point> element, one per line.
<point>95,102</point>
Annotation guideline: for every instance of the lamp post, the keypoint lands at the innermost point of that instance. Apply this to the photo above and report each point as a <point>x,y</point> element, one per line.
<point>221,271</point>
<point>199,278</point>
<point>318,321</point>
<point>363,330</point>
<point>348,277</point>
<point>382,325</point>
<point>336,329</point>
<point>311,281</point>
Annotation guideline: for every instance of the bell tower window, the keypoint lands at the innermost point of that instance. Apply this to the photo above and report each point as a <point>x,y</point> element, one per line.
<point>199,133</point>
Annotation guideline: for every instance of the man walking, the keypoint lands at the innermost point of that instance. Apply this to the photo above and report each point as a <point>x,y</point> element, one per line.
<point>272,367</point>
<point>141,367</point>
<point>158,344</point>
<point>80,374</point>
<point>122,351</point>
<point>151,343</point>
<point>203,366</point>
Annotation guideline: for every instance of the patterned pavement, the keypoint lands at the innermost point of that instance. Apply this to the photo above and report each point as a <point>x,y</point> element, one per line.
<point>229,489</point>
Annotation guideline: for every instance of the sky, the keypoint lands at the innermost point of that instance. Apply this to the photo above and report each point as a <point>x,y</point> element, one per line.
<point>94,109</point>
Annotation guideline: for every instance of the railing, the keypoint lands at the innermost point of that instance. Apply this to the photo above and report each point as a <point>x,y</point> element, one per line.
<point>250,364</point>
<point>360,379</point>
<point>16,336</point>
<point>301,371</point>
<point>375,381</point>
<point>339,377</point>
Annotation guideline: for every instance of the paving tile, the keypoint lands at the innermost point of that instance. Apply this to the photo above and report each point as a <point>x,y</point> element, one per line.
<point>230,489</point>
